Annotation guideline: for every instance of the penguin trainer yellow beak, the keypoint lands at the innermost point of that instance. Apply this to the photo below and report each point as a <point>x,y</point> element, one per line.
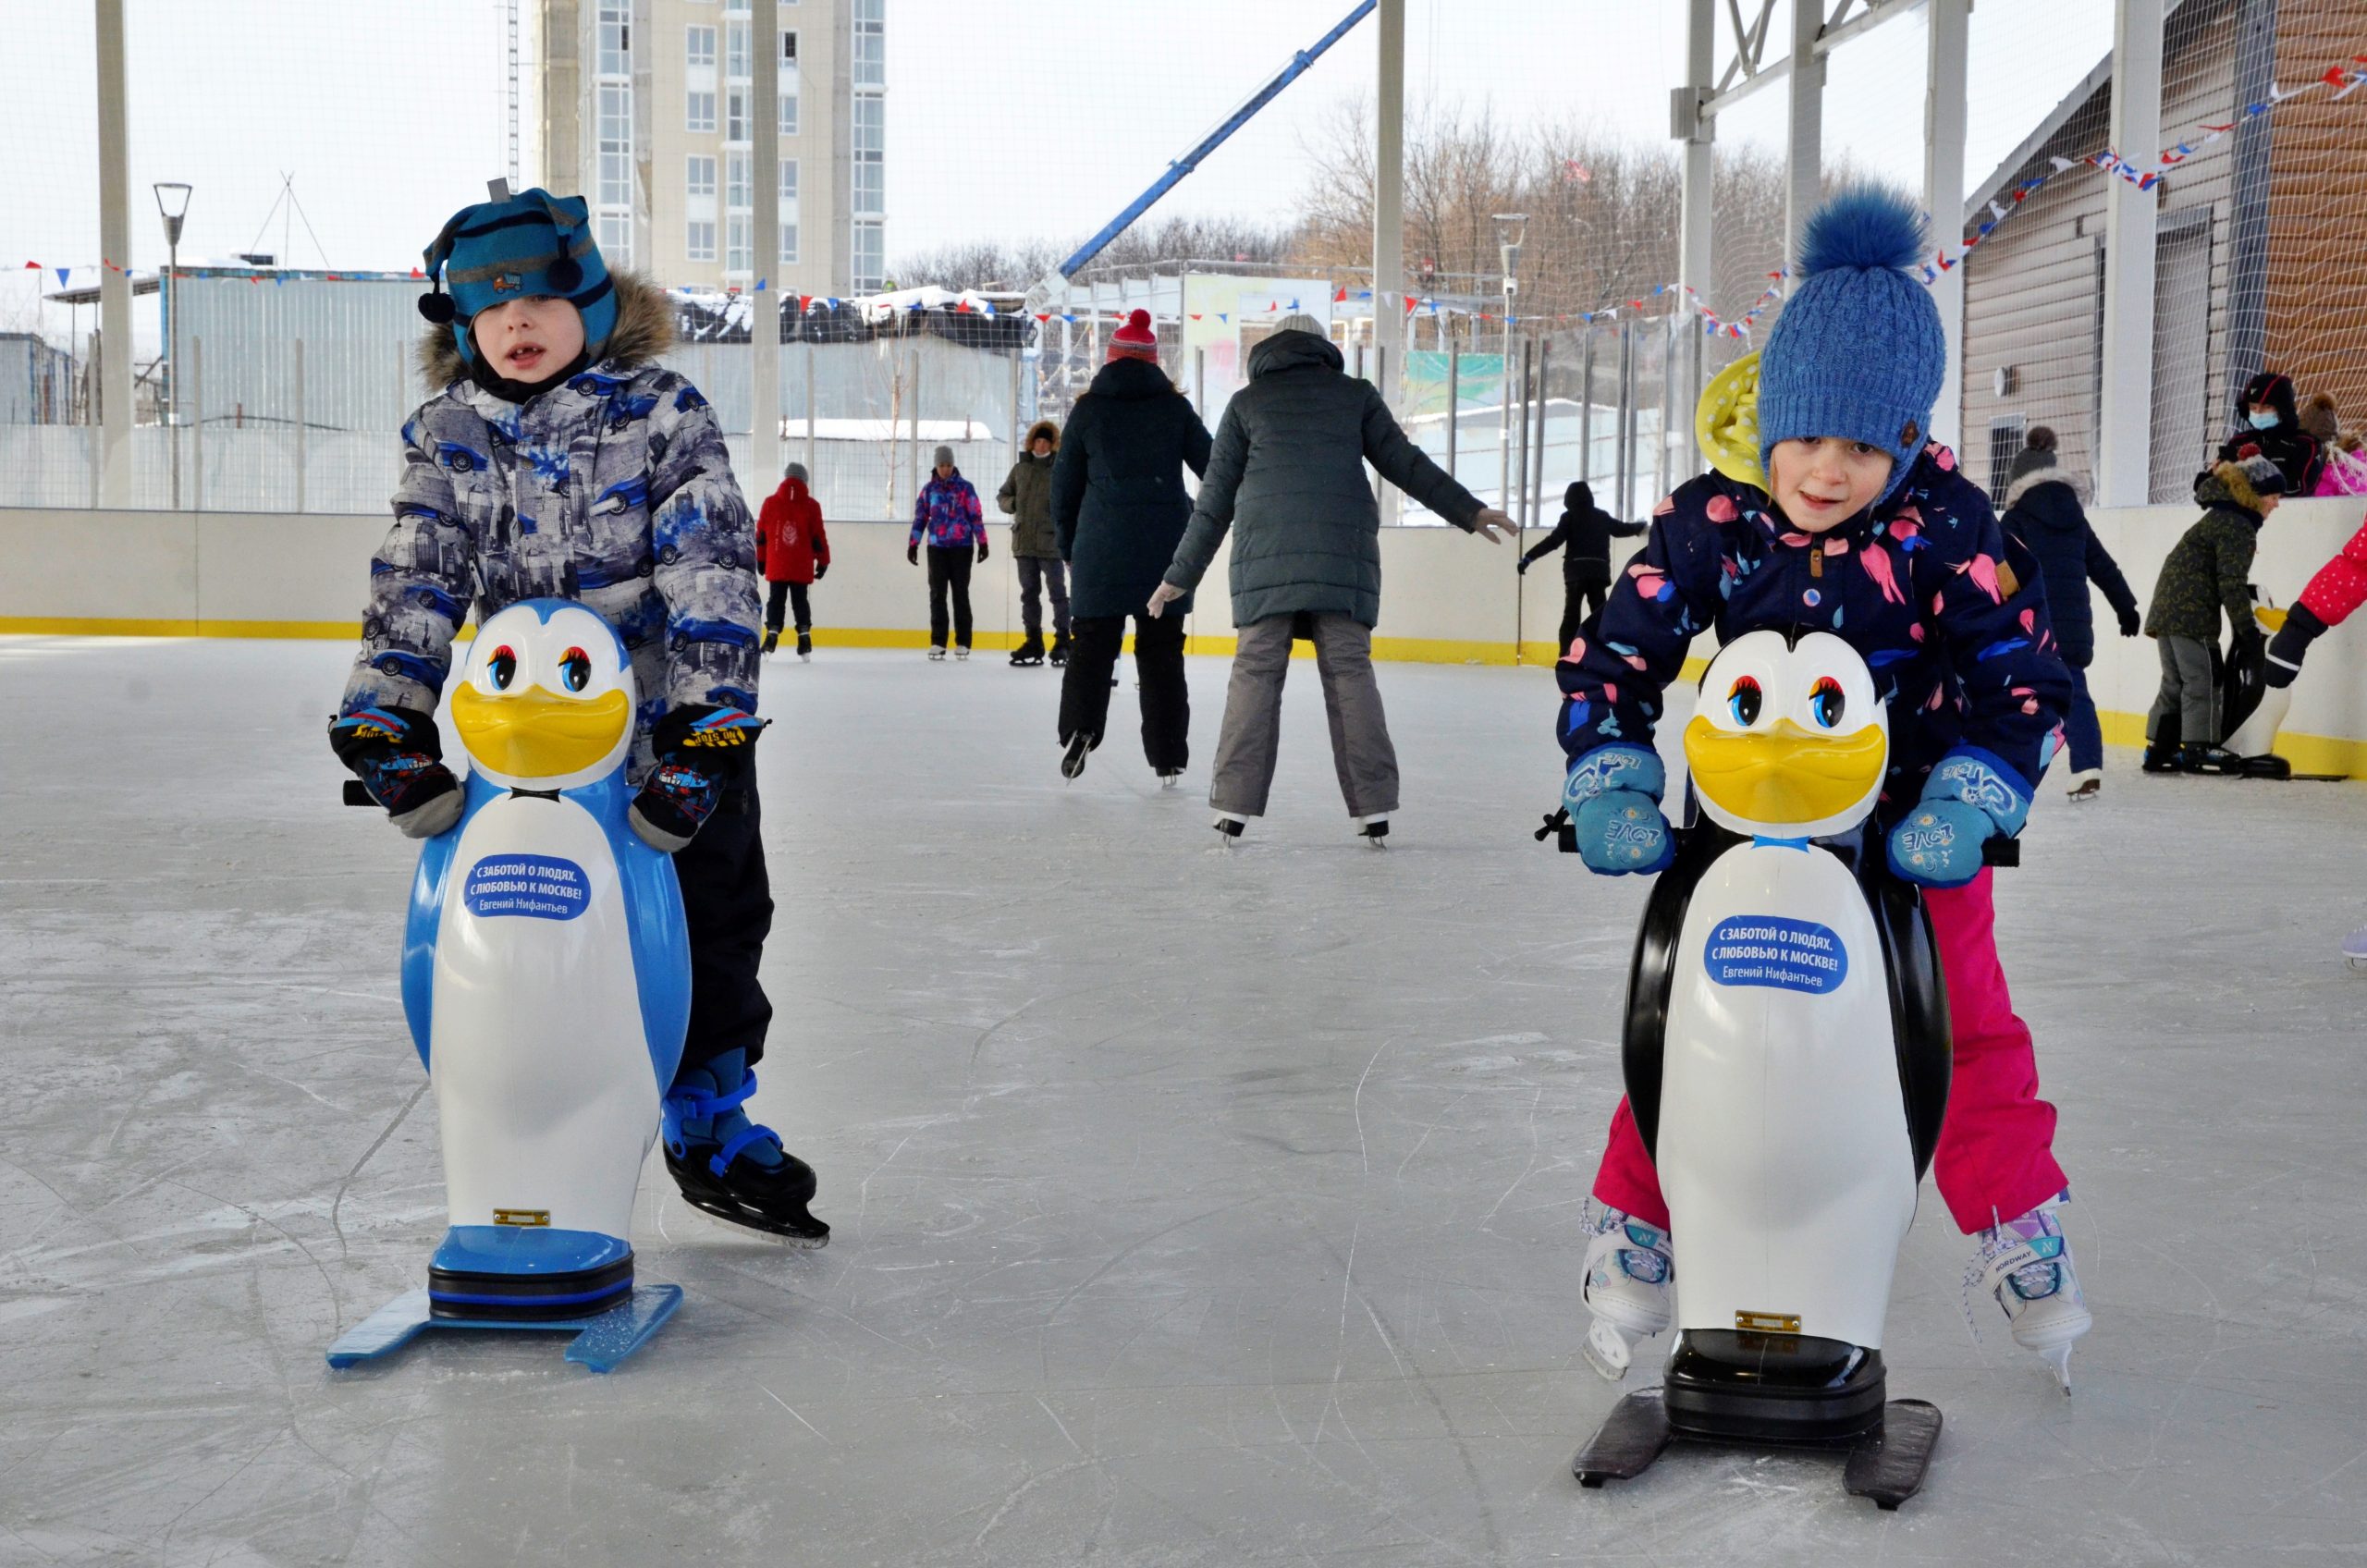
<point>536,734</point>
<point>1783,772</point>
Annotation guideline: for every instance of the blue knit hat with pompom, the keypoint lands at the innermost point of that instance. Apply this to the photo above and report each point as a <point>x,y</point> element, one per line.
<point>516,248</point>
<point>1858,352</point>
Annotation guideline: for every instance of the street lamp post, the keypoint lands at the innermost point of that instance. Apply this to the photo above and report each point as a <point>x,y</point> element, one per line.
<point>1510,229</point>
<point>172,204</point>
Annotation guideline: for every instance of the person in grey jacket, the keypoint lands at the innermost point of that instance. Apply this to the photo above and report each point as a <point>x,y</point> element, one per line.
<point>1287,477</point>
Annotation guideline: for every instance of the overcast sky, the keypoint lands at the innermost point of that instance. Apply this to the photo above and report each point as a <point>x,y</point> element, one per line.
<point>1009,119</point>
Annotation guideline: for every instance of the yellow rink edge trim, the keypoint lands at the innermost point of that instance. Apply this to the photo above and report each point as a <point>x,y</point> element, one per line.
<point>2309,753</point>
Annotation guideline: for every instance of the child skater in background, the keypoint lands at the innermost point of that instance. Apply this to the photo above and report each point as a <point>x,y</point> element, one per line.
<point>1584,535</point>
<point>1861,528</point>
<point>793,551</point>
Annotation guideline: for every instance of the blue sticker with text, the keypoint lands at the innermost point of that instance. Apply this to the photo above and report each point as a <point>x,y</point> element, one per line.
<point>539,886</point>
<point>1765,949</point>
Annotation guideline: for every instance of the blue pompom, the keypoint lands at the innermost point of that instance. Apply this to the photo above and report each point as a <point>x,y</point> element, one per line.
<point>1866,226</point>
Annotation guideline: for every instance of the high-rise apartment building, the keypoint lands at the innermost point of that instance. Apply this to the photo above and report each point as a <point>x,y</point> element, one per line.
<point>649,111</point>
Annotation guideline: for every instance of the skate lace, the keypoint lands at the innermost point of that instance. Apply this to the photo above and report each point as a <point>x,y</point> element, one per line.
<point>2030,1267</point>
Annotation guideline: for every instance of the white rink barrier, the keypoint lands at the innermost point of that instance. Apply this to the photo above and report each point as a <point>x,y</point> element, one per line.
<point>1447,597</point>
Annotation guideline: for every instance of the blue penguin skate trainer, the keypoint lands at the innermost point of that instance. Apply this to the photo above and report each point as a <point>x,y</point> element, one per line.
<point>545,975</point>
<point>1788,1054</point>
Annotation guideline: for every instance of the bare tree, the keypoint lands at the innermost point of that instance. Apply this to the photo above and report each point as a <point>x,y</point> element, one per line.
<point>1014,265</point>
<point>1604,212</point>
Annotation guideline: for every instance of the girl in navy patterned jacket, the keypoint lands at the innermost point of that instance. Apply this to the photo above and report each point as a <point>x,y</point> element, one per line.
<point>1865,530</point>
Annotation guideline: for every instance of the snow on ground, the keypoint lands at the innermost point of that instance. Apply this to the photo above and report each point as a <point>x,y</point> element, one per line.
<point>1191,1208</point>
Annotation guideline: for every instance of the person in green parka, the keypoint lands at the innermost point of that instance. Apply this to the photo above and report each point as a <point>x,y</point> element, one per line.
<point>1027,498</point>
<point>2207,571</point>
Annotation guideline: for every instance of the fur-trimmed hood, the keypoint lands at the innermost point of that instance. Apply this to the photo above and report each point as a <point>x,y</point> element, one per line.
<point>1045,429</point>
<point>2036,477</point>
<point>2227,485</point>
<point>644,329</point>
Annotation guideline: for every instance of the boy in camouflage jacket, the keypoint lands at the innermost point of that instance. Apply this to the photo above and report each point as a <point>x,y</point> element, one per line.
<point>2206,572</point>
<point>557,459</point>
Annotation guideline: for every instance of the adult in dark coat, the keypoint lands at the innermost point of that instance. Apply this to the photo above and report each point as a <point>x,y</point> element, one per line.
<point>2281,440</point>
<point>1584,536</point>
<point>1118,510</point>
<point>2041,510</point>
<point>1287,477</point>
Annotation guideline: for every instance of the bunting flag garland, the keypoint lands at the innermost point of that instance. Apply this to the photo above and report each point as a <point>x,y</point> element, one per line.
<point>2343,80</point>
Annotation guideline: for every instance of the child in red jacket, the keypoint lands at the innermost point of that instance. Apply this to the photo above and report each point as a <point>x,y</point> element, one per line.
<point>794,553</point>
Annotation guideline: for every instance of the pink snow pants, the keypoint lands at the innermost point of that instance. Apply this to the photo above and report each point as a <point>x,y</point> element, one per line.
<point>1995,1160</point>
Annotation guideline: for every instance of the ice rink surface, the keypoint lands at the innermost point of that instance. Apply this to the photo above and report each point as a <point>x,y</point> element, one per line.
<point>1191,1208</point>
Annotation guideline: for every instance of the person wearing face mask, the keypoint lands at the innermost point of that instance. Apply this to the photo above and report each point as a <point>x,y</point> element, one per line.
<point>2269,425</point>
<point>1832,511</point>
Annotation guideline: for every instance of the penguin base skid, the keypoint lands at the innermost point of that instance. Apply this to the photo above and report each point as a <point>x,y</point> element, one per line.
<point>1731,1388</point>
<point>601,1342</point>
<point>518,1277</point>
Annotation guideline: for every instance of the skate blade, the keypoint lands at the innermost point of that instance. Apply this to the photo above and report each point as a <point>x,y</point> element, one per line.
<point>2059,1361</point>
<point>787,1234</point>
<point>1606,1350</point>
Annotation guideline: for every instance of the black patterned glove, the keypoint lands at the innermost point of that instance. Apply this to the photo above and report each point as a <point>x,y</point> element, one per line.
<point>397,755</point>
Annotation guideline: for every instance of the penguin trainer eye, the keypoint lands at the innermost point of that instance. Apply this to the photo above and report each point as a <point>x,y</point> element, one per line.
<point>502,666</point>
<point>1744,702</point>
<point>1826,702</point>
<point>575,669</point>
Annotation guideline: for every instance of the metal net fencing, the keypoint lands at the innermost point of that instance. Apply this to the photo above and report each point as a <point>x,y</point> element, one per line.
<point>1547,337</point>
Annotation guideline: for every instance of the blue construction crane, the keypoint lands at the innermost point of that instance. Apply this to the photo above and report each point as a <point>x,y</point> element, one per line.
<point>1041,295</point>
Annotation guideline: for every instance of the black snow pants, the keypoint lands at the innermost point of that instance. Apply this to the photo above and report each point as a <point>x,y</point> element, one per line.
<point>728,904</point>
<point>949,573</point>
<point>1158,661</point>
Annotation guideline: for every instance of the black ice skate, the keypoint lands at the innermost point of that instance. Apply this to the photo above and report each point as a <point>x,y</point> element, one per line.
<point>772,638</point>
<point>1028,653</point>
<point>718,1177</point>
<point>771,1199</point>
<point>805,646</point>
<point>1072,760</point>
<point>1059,650</point>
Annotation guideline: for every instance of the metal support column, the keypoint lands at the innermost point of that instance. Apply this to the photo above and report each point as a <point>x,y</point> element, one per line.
<point>1697,133</point>
<point>1950,30</point>
<point>1586,405</point>
<point>1544,409</point>
<point>1454,404</point>
<point>302,420</point>
<point>1388,219</point>
<point>1517,503</point>
<point>1804,154</point>
<point>764,300</point>
<point>1625,467</point>
<point>115,410</point>
<point>2125,415</point>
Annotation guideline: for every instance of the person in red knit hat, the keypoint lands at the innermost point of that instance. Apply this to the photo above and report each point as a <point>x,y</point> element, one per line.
<point>793,553</point>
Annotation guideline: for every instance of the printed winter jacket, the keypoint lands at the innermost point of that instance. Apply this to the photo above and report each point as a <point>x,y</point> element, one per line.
<point>2043,511</point>
<point>1287,476</point>
<point>2208,568</point>
<point>791,544</point>
<point>1118,500</point>
<point>1026,496</point>
<point>1585,532</point>
<point>611,488</point>
<point>1947,610</point>
<point>2293,450</point>
<point>947,513</point>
